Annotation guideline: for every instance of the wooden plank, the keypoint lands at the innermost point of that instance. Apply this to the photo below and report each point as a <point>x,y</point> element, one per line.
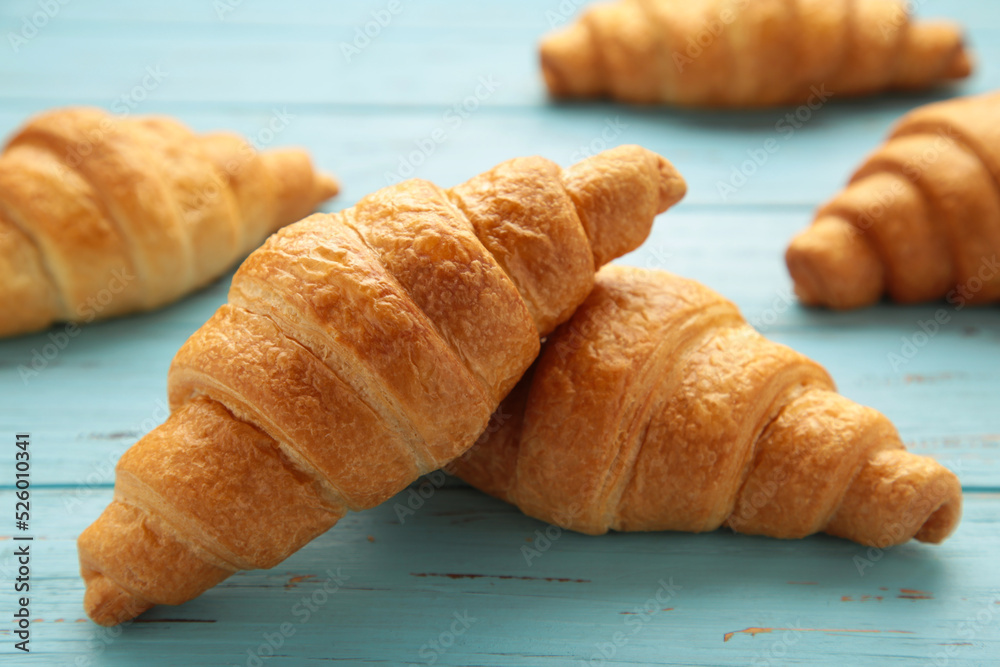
<point>801,602</point>
<point>425,62</point>
<point>528,14</point>
<point>462,552</point>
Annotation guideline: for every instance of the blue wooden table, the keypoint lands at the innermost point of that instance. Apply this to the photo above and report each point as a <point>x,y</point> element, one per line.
<point>464,579</point>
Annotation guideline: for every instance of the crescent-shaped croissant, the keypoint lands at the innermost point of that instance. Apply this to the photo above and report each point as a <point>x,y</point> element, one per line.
<point>103,215</point>
<point>357,351</point>
<point>657,407</point>
<point>749,53</point>
<point>920,221</point>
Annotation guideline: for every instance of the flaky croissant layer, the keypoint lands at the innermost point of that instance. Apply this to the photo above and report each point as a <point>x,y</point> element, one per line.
<point>919,221</point>
<point>657,407</point>
<point>748,53</point>
<point>102,215</point>
<point>357,351</point>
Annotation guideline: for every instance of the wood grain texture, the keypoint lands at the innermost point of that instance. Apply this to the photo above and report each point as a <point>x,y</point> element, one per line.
<point>403,576</point>
<point>363,120</point>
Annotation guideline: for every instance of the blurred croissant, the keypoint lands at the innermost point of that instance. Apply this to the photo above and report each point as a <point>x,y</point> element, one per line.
<point>101,216</point>
<point>358,351</point>
<point>657,407</point>
<point>920,221</point>
<point>743,53</point>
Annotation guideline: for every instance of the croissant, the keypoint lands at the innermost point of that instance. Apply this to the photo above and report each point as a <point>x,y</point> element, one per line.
<point>357,351</point>
<point>101,215</point>
<point>738,53</point>
<point>920,221</point>
<point>657,407</point>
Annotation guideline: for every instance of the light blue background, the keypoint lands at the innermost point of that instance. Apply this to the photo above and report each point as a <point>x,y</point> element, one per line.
<point>827,601</point>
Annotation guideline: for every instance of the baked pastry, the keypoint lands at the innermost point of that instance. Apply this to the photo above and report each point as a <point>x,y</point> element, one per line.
<point>738,53</point>
<point>101,215</point>
<point>920,221</point>
<point>657,407</point>
<point>358,351</point>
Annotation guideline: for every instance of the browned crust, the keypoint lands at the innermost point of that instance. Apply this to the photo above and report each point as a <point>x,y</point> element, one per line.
<point>358,350</point>
<point>920,220</point>
<point>736,53</point>
<point>657,407</point>
<point>139,209</point>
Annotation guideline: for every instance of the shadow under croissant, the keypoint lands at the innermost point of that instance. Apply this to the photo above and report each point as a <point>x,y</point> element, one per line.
<point>487,550</point>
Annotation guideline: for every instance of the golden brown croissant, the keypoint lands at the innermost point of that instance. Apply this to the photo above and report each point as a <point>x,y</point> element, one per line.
<point>358,351</point>
<point>743,53</point>
<point>920,220</point>
<point>657,407</point>
<point>101,216</point>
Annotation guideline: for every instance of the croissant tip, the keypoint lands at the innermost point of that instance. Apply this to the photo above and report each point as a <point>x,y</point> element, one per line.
<point>805,278</point>
<point>961,66</point>
<point>673,187</point>
<point>554,79</point>
<point>833,265</point>
<point>943,521</point>
<point>568,63</point>
<point>326,186</point>
<point>107,603</point>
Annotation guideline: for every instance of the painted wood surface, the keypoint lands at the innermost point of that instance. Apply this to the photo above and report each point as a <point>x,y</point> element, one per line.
<point>384,584</point>
<point>368,120</point>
